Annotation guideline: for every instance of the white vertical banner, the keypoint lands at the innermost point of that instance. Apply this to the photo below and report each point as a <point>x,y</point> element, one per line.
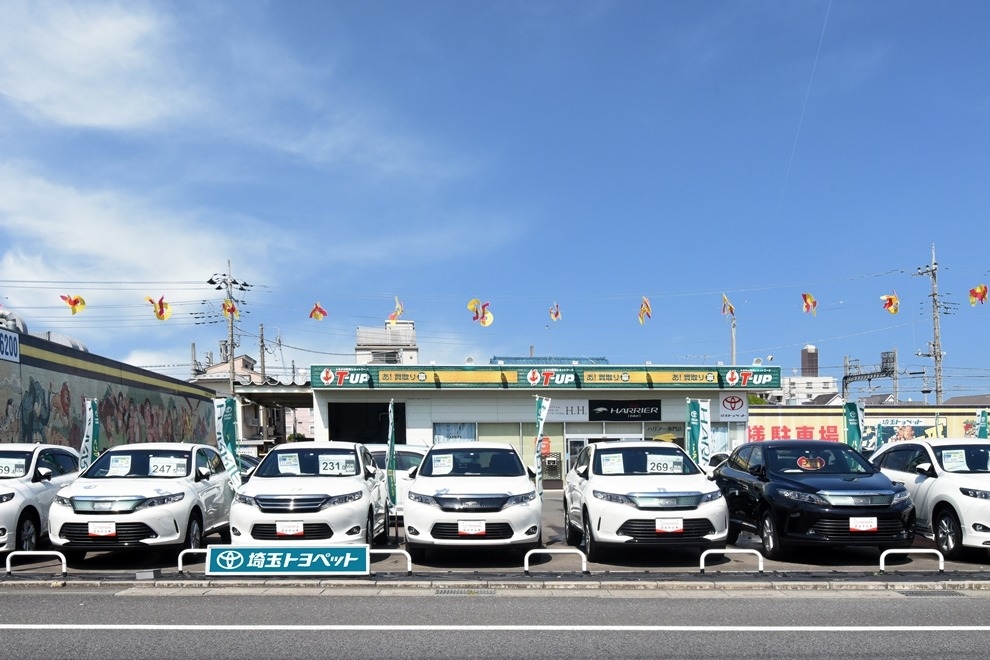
<point>91,435</point>
<point>225,415</point>
<point>542,408</point>
<point>699,431</point>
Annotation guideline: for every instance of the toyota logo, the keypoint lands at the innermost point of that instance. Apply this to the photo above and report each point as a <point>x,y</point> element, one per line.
<point>733,402</point>
<point>230,559</point>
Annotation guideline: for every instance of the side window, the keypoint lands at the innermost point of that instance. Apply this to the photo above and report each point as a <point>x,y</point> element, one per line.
<point>756,458</point>
<point>46,459</point>
<point>917,456</point>
<point>202,460</point>
<point>898,459</point>
<point>367,459</point>
<point>584,458</point>
<point>66,461</point>
<point>406,460</point>
<point>740,459</point>
<point>216,463</point>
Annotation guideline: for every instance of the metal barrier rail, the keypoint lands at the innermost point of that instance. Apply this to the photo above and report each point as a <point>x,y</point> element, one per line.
<point>395,552</point>
<point>556,551</point>
<point>190,551</point>
<point>722,551</point>
<point>41,553</point>
<point>911,551</point>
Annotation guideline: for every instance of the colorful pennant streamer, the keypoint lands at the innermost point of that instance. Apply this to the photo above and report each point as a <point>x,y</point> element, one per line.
<point>645,310</point>
<point>555,312</point>
<point>978,294</point>
<point>230,309</point>
<point>318,312</point>
<point>162,309</point>
<point>727,307</point>
<point>810,304</point>
<point>394,316</point>
<point>891,302</point>
<point>481,313</point>
<point>75,303</point>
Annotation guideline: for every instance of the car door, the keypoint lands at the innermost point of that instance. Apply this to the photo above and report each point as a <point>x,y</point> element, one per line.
<point>376,483</point>
<point>64,467</point>
<point>734,481</point>
<point>900,464</point>
<point>577,484</point>
<point>210,491</point>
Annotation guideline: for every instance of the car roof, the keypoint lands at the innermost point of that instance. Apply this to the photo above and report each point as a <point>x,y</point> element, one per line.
<point>634,443</point>
<point>419,449</point>
<point>937,442</point>
<point>316,444</point>
<point>157,445</point>
<point>31,446</point>
<point>798,444</point>
<point>473,444</point>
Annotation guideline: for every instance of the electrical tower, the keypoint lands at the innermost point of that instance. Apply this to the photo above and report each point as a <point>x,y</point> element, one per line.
<point>935,345</point>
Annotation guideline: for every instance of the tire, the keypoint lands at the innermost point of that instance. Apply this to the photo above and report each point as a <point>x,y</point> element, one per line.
<point>369,529</point>
<point>27,533</point>
<point>770,536</point>
<point>591,548</point>
<point>948,534</point>
<point>733,536</point>
<point>225,536</point>
<point>194,533</point>
<point>383,539</point>
<point>572,536</point>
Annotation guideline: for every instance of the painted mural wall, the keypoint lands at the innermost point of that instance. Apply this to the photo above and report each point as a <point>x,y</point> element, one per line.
<point>43,387</point>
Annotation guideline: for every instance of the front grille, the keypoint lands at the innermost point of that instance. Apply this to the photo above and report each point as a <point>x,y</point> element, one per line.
<point>839,499</point>
<point>493,531</point>
<point>290,503</point>
<point>471,503</point>
<point>127,533</point>
<point>311,532</point>
<point>646,530</point>
<point>666,501</point>
<point>837,529</point>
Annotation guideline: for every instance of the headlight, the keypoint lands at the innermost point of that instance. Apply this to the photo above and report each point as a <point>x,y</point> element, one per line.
<point>244,499</point>
<point>711,497</point>
<point>63,501</point>
<point>521,499</point>
<point>613,497</point>
<point>6,497</point>
<point>423,499</point>
<point>807,498</point>
<point>159,501</point>
<point>903,495</point>
<point>343,499</point>
<point>978,494</point>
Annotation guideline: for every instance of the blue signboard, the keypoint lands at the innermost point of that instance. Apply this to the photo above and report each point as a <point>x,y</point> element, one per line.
<point>282,560</point>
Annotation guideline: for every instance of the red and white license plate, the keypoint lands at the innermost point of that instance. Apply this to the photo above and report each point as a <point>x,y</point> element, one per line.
<point>668,525</point>
<point>288,528</point>
<point>102,529</point>
<point>863,524</point>
<point>471,527</point>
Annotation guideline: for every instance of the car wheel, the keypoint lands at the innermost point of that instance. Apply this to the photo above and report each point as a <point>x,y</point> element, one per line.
<point>948,535</point>
<point>733,536</point>
<point>572,536</point>
<point>27,533</point>
<point>369,529</point>
<point>225,536</point>
<point>591,548</point>
<point>382,538</point>
<point>194,533</point>
<point>770,536</point>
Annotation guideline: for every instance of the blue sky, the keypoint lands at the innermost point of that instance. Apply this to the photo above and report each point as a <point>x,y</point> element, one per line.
<point>586,153</point>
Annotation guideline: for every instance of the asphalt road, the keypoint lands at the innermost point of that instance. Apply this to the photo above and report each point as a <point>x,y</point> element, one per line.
<point>245,623</point>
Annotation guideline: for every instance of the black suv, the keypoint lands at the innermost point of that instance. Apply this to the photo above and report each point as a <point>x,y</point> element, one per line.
<point>812,492</point>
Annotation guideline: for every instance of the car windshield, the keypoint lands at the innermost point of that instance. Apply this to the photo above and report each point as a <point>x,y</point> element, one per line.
<point>836,459</point>
<point>156,463</point>
<point>312,462</point>
<point>963,458</point>
<point>404,460</point>
<point>662,459</point>
<point>471,463</point>
<point>14,464</point>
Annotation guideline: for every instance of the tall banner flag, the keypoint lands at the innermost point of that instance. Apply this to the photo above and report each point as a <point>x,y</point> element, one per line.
<point>699,431</point>
<point>225,415</point>
<point>390,461</point>
<point>90,448</point>
<point>854,412</point>
<point>542,408</point>
<point>981,424</point>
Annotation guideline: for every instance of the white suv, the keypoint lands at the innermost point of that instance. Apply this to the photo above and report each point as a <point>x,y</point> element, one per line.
<point>641,493</point>
<point>312,493</point>
<point>406,458</point>
<point>148,495</point>
<point>30,475</point>
<point>949,481</point>
<point>471,494</point>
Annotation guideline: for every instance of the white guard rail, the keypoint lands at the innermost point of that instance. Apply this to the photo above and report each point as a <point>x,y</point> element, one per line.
<point>741,551</point>
<point>911,551</point>
<point>556,551</point>
<point>37,553</point>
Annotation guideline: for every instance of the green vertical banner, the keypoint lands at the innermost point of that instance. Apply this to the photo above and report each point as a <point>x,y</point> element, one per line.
<point>390,461</point>
<point>699,431</point>
<point>981,424</point>
<point>853,411</point>
<point>90,447</point>
<point>881,441</point>
<point>225,415</point>
<point>542,408</point>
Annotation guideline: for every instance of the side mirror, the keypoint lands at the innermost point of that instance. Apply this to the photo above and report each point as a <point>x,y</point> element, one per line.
<point>412,472</point>
<point>42,474</point>
<point>757,470</point>
<point>925,469</point>
<point>531,472</point>
<point>202,474</point>
<point>582,471</point>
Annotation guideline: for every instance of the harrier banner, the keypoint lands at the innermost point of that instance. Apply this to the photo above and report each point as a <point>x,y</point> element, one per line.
<point>90,447</point>
<point>225,413</point>
<point>699,430</point>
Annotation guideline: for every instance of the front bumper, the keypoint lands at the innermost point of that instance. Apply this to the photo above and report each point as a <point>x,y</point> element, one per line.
<point>514,525</point>
<point>343,524</point>
<point>620,524</point>
<point>801,524</point>
<point>160,526</point>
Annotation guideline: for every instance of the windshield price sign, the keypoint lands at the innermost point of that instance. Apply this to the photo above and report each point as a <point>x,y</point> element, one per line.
<point>267,560</point>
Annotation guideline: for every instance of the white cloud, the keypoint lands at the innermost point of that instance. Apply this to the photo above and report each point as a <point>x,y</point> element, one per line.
<point>91,64</point>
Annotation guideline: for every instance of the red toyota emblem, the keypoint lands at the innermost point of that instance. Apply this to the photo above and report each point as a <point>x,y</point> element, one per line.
<point>733,402</point>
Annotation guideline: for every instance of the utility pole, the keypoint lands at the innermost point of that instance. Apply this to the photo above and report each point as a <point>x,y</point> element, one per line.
<point>226,282</point>
<point>935,346</point>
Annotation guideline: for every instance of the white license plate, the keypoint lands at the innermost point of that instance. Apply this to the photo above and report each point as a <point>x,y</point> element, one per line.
<point>471,527</point>
<point>863,524</point>
<point>666,525</point>
<point>102,529</point>
<point>288,528</point>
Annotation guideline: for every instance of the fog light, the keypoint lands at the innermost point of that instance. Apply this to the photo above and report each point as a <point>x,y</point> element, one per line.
<point>353,531</point>
<point>3,531</point>
<point>412,531</point>
<point>532,530</point>
<point>980,527</point>
<point>234,531</point>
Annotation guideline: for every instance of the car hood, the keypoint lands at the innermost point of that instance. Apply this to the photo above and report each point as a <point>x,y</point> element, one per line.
<point>836,482</point>
<point>472,485</point>
<point>124,487</point>
<point>301,486</point>
<point>653,483</point>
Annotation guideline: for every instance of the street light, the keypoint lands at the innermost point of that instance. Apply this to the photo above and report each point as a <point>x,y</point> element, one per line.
<point>226,282</point>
